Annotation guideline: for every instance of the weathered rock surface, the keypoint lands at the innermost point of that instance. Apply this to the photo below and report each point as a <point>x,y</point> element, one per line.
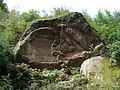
<point>51,43</point>
<point>92,65</point>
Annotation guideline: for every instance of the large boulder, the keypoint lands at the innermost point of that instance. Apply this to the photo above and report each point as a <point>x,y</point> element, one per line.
<point>91,66</point>
<point>54,42</point>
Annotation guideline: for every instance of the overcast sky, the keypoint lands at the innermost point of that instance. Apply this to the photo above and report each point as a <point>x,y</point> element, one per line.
<point>92,6</point>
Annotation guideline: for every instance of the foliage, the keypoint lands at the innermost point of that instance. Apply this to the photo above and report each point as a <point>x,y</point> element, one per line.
<point>13,25</point>
<point>108,27</point>
<point>29,17</point>
<point>115,51</point>
<point>3,6</point>
<point>22,77</point>
<point>60,11</point>
<point>5,58</point>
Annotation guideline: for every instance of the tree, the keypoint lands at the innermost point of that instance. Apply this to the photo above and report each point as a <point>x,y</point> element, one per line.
<point>30,16</point>
<point>3,6</point>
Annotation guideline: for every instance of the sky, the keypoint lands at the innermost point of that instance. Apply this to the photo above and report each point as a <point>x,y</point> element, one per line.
<point>91,6</point>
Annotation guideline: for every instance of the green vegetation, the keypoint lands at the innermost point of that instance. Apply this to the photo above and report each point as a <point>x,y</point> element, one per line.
<point>3,6</point>
<point>108,26</point>
<point>14,76</point>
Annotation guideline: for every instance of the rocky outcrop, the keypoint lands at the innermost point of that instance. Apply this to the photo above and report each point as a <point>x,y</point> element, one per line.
<point>51,43</point>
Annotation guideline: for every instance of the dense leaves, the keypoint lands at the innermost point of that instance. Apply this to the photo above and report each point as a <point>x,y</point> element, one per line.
<point>108,26</point>
<point>3,6</point>
<point>13,25</point>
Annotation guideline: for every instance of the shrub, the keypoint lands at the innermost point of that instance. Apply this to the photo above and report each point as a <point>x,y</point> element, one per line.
<point>115,50</point>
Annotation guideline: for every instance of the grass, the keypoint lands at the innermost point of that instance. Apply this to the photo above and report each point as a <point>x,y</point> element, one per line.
<point>110,77</point>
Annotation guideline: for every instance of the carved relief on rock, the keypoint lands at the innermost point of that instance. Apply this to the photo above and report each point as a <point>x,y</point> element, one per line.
<point>50,43</point>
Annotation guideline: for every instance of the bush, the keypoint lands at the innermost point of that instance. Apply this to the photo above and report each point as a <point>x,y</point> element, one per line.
<point>13,25</point>
<point>115,50</point>
<point>108,27</point>
<point>5,58</point>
